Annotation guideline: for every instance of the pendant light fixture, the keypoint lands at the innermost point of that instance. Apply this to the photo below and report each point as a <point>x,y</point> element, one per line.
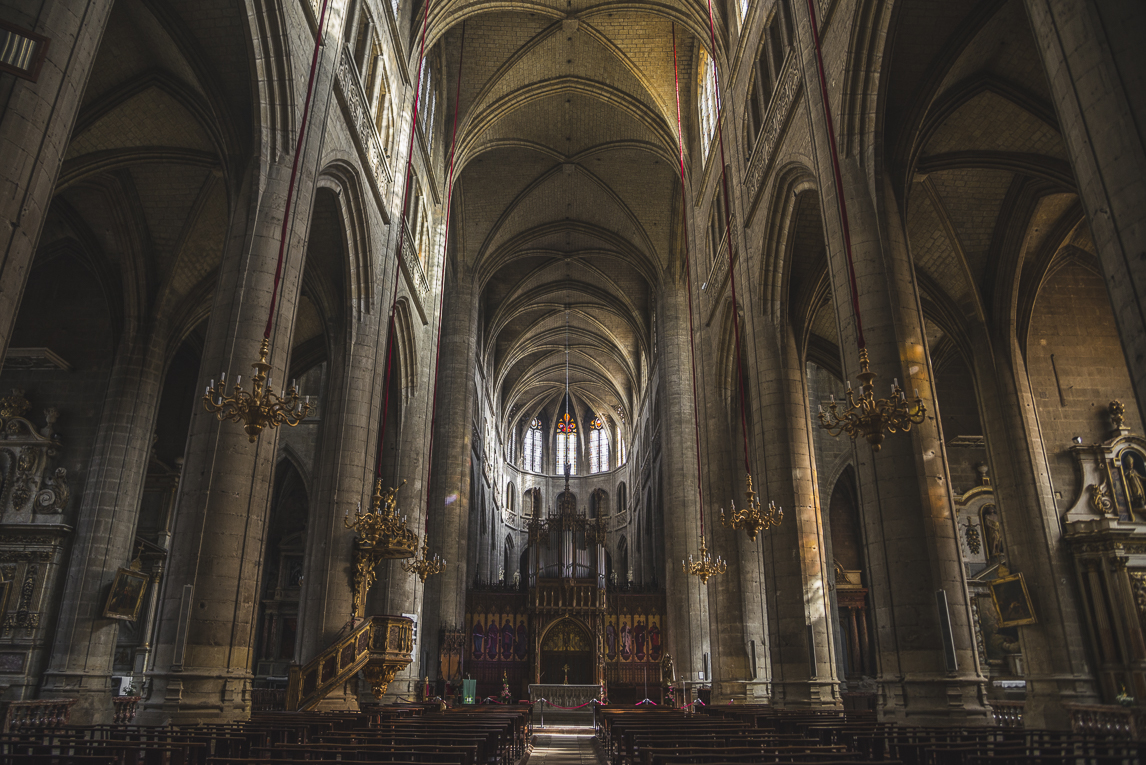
<point>865,414</point>
<point>706,564</point>
<point>261,407</point>
<point>428,565</point>
<point>753,518</point>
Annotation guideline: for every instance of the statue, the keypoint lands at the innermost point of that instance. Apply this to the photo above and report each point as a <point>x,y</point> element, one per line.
<point>668,671</point>
<point>993,534</point>
<point>1135,479</point>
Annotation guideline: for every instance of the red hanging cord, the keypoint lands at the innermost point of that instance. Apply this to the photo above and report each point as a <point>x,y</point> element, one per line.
<point>688,279</point>
<point>839,178</point>
<point>294,169</point>
<point>728,236</point>
<point>442,289</point>
<point>401,241</point>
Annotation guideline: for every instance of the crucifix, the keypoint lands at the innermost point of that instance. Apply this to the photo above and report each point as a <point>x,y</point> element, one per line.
<point>566,668</point>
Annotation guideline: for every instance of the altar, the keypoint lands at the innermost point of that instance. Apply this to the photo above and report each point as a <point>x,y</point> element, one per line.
<point>564,695</point>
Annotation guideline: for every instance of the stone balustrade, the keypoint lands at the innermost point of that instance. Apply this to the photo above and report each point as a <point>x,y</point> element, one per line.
<point>1008,714</point>
<point>1107,720</point>
<point>36,715</point>
<point>125,709</point>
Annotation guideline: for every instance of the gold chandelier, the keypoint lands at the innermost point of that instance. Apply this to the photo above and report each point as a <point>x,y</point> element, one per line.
<point>261,408</point>
<point>753,519</point>
<point>869,416</point>
<point>705,565</point>
<point>382,528</point>
<point>425,567</point>
<point>381,534</point>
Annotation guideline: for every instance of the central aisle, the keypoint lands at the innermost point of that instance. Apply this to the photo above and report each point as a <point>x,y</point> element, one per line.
<point>563,749</point>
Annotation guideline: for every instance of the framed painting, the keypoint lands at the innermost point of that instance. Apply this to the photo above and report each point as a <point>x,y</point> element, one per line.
<point>126,595</point>
<point>5,593</point>
<point>1012,601</point>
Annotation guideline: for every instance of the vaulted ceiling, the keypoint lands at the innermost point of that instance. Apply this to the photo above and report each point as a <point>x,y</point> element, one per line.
<point>567,194</point>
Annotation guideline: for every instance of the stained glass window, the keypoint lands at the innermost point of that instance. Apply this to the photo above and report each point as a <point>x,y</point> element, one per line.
<point>566,444</point>
<point>531,451</point>
<point>598,446</point>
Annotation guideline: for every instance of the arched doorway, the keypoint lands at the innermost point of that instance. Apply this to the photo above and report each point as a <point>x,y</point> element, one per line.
<point>567,648</point>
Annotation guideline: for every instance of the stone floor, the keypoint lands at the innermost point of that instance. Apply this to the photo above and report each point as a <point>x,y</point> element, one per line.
<point>569,747</point>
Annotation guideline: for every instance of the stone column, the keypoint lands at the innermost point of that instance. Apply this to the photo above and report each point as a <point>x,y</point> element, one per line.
<point>35,126</point>
<point>343,477</point>
<point>905,500</point>
<point>445,594</point>
<point>927,674</point>
<point>209,607</point>
<point>398,591</point>
<point>84,648</point>
<point>1095,65</point>
<point>798,572</point>
<point>688,617</point>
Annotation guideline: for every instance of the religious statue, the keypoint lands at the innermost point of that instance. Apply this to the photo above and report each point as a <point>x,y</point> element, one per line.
<point>668,671</point>
<point>1135,479</point>
<point>993,534</point>
<point>566,668</point>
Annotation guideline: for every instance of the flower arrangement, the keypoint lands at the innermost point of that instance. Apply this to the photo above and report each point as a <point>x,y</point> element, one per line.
<point>505,695</point>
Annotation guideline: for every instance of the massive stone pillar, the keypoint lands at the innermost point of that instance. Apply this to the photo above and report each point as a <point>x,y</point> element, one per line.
<point>81,662</point>
<point>1096,67</point>
<point>797,570</point>
<point>35,126</point>
<point>449,506</point>
<point>343,478</point>
<point>209,605</point>
<point>689,640</point>
<point>923,636</point>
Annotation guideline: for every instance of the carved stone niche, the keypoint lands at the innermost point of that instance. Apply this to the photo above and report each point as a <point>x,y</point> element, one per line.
<point>1113,482</point>
<point>33,484</point>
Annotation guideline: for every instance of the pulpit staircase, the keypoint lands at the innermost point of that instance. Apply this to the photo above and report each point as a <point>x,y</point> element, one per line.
<point>380,646</point>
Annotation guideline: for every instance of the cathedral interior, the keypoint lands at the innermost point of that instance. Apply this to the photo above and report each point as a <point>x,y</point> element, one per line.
<point>773,352</point>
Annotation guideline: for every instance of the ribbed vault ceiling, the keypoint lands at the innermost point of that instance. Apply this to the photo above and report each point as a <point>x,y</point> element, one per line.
<point>567,192</point>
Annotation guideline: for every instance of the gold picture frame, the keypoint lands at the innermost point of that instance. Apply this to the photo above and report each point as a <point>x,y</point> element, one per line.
<point>1012,601</point>
<point>126,595</point>
<point>5,594</point>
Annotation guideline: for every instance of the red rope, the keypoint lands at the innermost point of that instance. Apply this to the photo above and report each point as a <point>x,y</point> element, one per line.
<point>688,279</point>
<point>294,169</point>
<point>442,289</point>
<point>401,240</point>
<point>839,178</point>
<point>728,236</point>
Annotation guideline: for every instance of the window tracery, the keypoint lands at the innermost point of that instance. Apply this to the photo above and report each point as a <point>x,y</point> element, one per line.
<point>531,449</point>
<point>567,444</point>
<point>598,446</point>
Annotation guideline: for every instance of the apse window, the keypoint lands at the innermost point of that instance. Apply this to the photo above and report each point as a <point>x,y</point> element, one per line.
<point>598,446</point>
<point>567,444</point>
<point>531,449</point>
